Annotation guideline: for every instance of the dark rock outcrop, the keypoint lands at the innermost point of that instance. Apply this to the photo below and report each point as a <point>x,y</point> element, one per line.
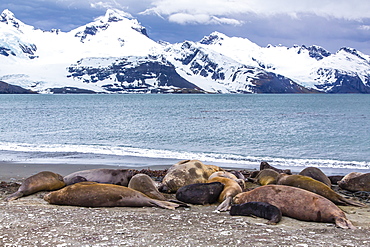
<point>6,88</point>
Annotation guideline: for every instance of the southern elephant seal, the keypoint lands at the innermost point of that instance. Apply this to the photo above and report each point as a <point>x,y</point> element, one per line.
<point>226,174</point>
<point>297,203</point>
<point>310,184</point>
<point>91,194</point>
<point>143,183</point>
<point>101,175</point>
<point>335,179</point>
<point>42,181</point>
<point>237,174</point>
<point>200,193</point>
<point>259,209</point>
<point>265,165</point>
<point>316,173</point>
<point>355,181</point>
<point>231,189</point>
<point>186,172</point>
<point>265,177</point>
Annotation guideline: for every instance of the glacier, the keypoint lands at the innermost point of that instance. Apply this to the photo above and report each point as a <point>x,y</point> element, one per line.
<point>113,54</point>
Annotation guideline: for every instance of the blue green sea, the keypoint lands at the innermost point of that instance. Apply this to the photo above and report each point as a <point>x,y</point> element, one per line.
<point>331,132</point>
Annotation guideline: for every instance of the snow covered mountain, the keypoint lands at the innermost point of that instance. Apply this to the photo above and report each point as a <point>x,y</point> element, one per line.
<point>113,54</point>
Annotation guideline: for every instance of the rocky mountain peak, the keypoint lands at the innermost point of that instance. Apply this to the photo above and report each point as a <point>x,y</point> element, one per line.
<point>315,51</point>
<point>353,52</point>
<point>114,15</point>
<point>8,17</point>
<point>213,38</point>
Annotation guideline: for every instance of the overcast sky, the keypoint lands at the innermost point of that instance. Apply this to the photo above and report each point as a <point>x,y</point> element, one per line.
<point>331,24</point>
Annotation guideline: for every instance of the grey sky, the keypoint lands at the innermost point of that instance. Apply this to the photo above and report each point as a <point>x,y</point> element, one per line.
<point>331,24</point>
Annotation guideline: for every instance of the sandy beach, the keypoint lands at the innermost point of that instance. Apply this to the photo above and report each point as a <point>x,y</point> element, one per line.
<point>31,221</point>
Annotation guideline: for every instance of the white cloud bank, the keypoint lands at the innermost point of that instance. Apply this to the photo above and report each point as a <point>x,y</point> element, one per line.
<point>224,11</point>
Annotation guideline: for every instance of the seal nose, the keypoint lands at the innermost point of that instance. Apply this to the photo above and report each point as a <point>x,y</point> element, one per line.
<point>47,197</point>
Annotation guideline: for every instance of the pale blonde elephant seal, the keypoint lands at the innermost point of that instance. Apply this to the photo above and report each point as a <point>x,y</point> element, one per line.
<point>231,189</point>
<point>186,172</point>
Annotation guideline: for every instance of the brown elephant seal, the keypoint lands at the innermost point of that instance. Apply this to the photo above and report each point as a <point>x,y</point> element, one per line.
<point>259,209</point>
<point>265,165</point>
<point>265,177</point>
<point>102,175</point>
<point>315,186</point>
<point>91,194</point>
<point>200,193</point>
<point>231,189</point>
<point>186,172</point>
<point>316,173</point>
<point>355,181</point>
<point>143,183</point>
<point>297,203</point>
<point>42,181</point>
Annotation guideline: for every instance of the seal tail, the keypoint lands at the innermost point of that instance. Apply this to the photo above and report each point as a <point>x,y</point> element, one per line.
<point>344,223</point>
<point>181,204</point>
<point>350,202</point>
<point>164,204</point>
<point>225,205</point>
<point>14,196</point>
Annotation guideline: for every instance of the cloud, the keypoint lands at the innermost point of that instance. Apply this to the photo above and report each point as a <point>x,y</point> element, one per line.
<point>184,18</point>
<point>105,5</point>
<point>364,27</point>
<point>208,11</point>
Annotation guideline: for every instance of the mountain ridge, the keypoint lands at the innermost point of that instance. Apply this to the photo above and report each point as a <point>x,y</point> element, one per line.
<point>114,54</point>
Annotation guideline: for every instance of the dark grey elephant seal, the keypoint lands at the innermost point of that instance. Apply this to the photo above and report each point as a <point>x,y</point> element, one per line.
<point>200,193</point>
<point>186,172</point>
<point>355,181</point>
<point>259,209</point>
<point>91,194</point>
<point>42,181</point>
<point>102,175</point>
<point>143,183</point>
<point>316,173</point>
<point>297,203</point>
<point>335,179</point>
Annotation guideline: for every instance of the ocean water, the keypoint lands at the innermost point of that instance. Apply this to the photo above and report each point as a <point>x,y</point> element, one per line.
<point>331,132</point>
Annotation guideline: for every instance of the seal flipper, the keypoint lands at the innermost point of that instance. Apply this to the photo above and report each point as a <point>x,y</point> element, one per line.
<point>225,205</point>
<point>14,196</point>
<point>181,204</point>
<point>164,204</point>
<point>349,202</point>
<point>344,223</point>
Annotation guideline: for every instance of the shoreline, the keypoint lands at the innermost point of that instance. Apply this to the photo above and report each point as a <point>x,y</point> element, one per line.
<point>14,171</point>
<point>32,221</point>
<point>19,170</point>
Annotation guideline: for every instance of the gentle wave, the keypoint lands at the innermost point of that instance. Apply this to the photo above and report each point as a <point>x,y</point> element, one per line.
<point>228,160</point>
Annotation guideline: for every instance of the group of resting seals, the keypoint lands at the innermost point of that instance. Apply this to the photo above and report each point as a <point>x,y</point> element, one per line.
<point>305,196</point>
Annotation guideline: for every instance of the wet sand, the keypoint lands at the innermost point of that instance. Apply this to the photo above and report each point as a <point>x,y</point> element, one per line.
<point>11,172</point>
<point>31,221</point>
